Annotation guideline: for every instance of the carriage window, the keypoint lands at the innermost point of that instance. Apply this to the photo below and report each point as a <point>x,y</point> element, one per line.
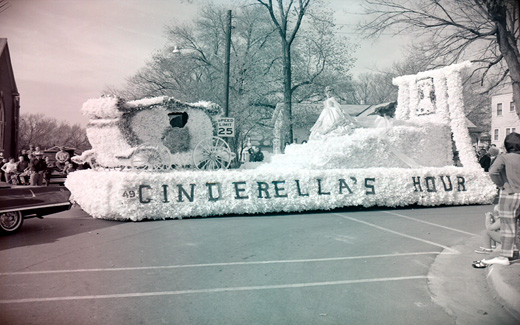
<point>178,120</point>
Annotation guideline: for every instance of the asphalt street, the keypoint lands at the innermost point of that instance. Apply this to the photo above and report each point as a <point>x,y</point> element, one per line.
<point>346,266</point>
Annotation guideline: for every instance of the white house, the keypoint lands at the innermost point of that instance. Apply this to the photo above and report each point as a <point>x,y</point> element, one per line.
<point>504,119</point>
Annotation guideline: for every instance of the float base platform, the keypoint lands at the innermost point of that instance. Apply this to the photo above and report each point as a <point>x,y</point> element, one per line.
<point>131,195</point>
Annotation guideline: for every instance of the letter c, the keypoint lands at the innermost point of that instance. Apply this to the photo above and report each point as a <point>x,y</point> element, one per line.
<point>141,200</point>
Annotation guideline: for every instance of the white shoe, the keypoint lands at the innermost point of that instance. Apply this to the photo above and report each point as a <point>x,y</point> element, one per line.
<point>501,260</point>
<point>484,250</point>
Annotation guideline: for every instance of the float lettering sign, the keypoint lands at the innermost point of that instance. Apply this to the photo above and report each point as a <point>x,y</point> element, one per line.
<point>243,190</point>
<point>280,189</point>
<point>250,192</point>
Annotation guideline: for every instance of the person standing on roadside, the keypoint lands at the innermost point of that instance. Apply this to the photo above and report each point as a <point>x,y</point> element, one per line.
<point>258,155</point>
<point>3,161</point>
<point>493,154</point>
<point>20,169</point>
<point>38,167</point>
<point>505,173</point>
<point>30,150</point>
<point>33,174</point>
<point>62,157</point>
<point>69,168</point>
<point>484,159</point>
<point>25,155</point>
<point>49,168</point>
<point>9,170</point>
<point>37,151</point>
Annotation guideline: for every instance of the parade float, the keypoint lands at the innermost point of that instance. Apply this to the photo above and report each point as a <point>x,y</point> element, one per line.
<point>159,158</point>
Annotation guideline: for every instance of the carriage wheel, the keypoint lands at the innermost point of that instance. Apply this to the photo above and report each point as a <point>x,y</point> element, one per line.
<point>150,158</point>
<point>212,154</point>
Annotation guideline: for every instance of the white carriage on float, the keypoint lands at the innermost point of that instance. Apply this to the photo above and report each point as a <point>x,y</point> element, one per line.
<point>157,134</point>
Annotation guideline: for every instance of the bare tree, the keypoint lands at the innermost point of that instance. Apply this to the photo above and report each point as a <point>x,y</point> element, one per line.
<point>35,129</point>
<point>485,31</point>
<point>46,132</point>
<point>287,18</point>
<point>73,136</point>
<point>374,88</point>
<point>321,57</point>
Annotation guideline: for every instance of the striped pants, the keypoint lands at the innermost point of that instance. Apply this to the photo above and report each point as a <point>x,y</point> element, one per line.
<point>509,209</point>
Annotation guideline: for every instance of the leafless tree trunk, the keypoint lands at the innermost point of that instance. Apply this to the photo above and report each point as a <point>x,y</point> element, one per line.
<point>281,16</point>
<point>506,14</point>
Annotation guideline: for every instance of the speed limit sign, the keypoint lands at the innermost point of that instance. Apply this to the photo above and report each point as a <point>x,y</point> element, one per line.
<point>226,127</point>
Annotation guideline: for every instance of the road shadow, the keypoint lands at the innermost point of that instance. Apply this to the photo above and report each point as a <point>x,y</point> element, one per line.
<point>347,209</point>
<point>76,221</point>
<point>53,227</point>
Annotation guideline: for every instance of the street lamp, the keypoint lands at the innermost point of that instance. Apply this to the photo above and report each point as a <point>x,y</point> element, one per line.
<point>176,50</point>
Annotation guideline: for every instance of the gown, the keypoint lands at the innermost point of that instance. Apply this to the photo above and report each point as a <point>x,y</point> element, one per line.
<point>332,121</point>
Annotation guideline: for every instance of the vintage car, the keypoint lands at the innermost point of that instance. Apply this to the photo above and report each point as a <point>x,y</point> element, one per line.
<point>23,202</point>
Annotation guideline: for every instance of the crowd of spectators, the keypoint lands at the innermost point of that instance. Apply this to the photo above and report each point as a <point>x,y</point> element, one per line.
<point>33,167</point>
<point>503,226</point>
<point>255,154</point>
<point>487,155</point>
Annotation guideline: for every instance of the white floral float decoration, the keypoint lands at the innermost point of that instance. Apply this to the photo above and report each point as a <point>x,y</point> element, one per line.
<point>350,170</point>
<point>117,128</point>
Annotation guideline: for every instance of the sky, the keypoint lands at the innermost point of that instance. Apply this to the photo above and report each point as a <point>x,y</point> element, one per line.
<point>65,52</point>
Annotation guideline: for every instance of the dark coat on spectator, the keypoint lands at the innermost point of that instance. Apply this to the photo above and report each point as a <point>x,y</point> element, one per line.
<point>38,165</point>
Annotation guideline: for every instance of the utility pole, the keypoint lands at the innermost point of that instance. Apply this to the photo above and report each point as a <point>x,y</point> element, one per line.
<point>228,48</point>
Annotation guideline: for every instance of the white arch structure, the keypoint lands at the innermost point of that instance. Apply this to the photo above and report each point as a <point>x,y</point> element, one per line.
<point>448,105</point>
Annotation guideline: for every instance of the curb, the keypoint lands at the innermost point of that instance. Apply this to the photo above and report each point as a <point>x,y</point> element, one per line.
<point>505,292</point>
<point>463,291</point>
<point>474,296</point>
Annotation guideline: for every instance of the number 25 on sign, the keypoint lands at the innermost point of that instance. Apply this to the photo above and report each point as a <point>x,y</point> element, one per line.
<point>226,127</point>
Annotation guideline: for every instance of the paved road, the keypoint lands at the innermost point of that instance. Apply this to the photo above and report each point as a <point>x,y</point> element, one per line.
<point>350,266</point>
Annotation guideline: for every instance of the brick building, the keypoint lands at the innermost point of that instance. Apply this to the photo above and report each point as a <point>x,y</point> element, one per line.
<point>9,104</point>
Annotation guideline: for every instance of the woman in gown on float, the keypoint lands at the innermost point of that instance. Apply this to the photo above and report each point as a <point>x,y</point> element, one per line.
<point>332,120</point>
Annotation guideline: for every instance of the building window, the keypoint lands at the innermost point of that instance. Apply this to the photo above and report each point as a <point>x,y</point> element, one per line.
<point>512,107</point>
<point>496,135</point>
<point>499,109</point>
<point>508,131</point>
<point>513,130</point>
